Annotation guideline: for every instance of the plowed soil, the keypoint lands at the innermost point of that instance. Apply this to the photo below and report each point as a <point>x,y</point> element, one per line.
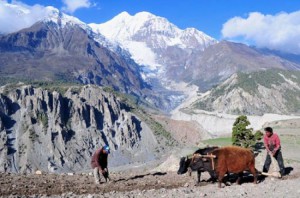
<point>157,184</point>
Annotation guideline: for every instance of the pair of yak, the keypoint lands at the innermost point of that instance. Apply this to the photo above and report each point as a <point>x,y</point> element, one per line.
<point>220,161</point>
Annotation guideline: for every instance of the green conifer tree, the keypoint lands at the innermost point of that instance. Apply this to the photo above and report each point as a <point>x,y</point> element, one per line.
<point>243,136</point>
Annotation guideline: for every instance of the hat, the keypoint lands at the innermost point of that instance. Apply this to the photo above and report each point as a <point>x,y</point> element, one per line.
<point>107,149</point>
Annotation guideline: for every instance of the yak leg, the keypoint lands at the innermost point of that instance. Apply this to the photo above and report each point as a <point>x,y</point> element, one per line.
<point>253,171</point>
<point>198,176</point>
<point>212,176</point>
<point>220,178</point>
<point>240,176</point>
<point>190,171</point>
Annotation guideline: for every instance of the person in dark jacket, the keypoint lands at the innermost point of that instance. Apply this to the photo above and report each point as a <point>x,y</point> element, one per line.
<point>273,147</point>
<point>99,163</point>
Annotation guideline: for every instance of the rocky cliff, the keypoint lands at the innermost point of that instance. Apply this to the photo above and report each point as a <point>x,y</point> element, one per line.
<point>58,130</point>
<point>256,93</point>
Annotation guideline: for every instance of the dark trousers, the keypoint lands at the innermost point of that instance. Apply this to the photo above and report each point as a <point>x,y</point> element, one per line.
<point>278,157</point>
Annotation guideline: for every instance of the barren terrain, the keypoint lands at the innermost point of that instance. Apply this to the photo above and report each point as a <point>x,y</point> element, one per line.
<point>154,184</point>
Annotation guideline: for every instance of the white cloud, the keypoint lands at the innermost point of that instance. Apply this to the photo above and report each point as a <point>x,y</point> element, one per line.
<point>278,32</point>
<point>16,15</point>
<point>72,5</point>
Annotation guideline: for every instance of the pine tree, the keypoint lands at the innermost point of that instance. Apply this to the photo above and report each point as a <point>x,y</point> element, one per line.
<point>243,136</point>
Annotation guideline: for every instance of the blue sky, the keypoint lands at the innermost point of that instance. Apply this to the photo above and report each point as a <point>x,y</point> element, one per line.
<point>266,23</point>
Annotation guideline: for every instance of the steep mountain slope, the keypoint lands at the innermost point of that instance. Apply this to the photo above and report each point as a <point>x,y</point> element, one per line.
<point>268,91</point>
<point>57,131</point>
<point>153,41</point>
<point>223,59</point>
<point>62,48</point>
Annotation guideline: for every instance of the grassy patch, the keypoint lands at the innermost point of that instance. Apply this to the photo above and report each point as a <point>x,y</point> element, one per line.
<point>8,80</point>
<point>155,126</point>
<point>223,141</point>
<point>59,86</point>
<point>132,101</point>
<point>43,118</point>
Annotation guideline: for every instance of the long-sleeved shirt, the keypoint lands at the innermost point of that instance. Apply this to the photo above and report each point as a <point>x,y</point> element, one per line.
<point>272,143</point>
<point>99,159</point>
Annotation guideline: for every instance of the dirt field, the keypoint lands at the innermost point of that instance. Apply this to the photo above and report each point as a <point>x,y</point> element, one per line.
<point>141,183</point>
<point>157,184</point>
<point>53,184</point>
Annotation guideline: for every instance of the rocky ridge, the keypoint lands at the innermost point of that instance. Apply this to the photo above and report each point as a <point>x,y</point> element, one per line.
<point>57,131</point>
<point>255,93</point>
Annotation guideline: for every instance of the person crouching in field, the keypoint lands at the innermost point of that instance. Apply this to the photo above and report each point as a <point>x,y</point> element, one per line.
<point>273,147</point>
<point>99,163</point>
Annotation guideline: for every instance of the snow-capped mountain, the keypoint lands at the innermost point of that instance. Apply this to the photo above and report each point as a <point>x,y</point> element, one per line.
<point>61,47</point>
<point>62,19</point>
<point>152,40</point>
<point>162,33</point>
<point>49,14</point>
<point>57,46</point>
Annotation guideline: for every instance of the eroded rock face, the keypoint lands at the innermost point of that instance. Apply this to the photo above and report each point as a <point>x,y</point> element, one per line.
<point>58,132</point>
<point>256,93</point>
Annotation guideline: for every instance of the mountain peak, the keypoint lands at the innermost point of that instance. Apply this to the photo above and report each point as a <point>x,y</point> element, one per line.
<point>141,16</point>
<point>125,18</point>
<point>28,15</point>
<point>123,14</point>
<point>122,17</point>
<point>123,26</point>
<point>145,15</point>
<point>48,12</point>
<point>56,16</point>
<point>146,36</point>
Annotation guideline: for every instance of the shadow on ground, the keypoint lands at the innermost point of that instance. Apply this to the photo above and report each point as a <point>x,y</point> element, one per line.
<point>141,176</point>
